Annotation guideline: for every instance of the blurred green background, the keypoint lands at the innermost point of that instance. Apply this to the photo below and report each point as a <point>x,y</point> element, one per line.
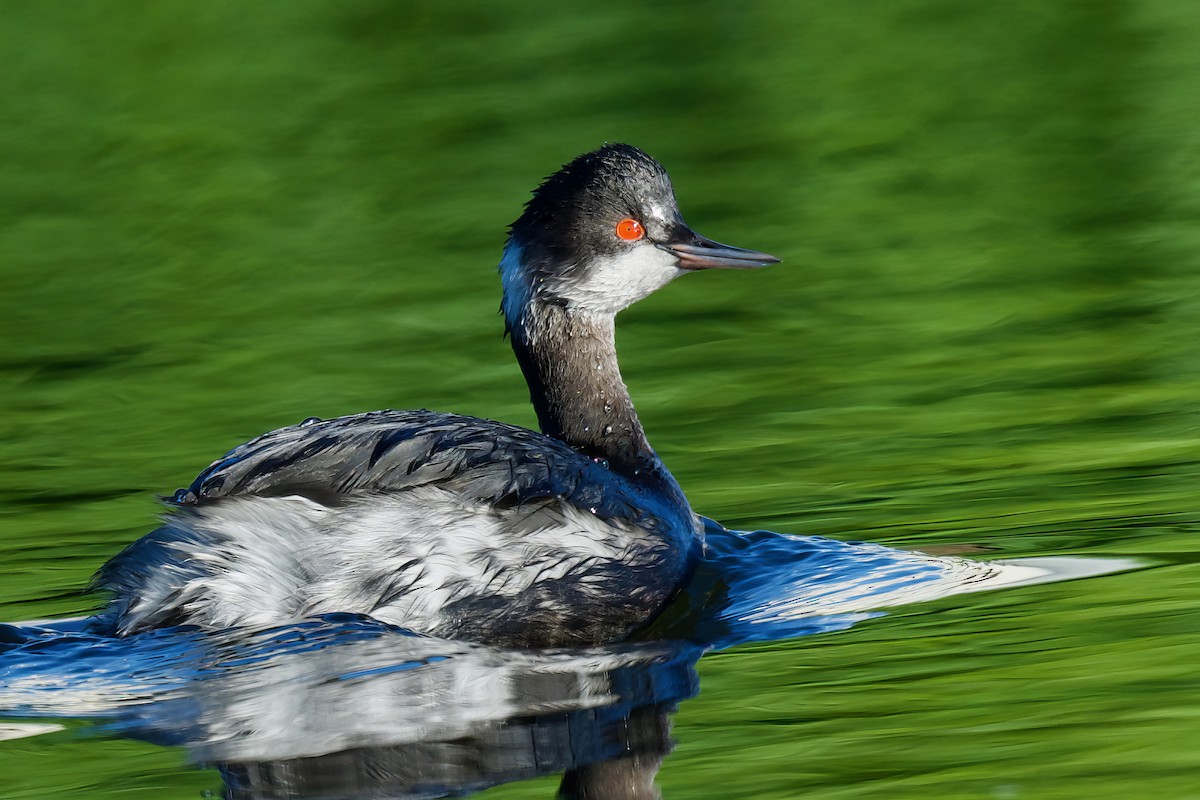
<point>218,218</point>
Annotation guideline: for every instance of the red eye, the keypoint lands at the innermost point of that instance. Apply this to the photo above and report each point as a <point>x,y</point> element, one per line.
<point>630,230</point>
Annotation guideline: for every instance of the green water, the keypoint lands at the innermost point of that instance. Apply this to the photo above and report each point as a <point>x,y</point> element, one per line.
<point>218,218</point>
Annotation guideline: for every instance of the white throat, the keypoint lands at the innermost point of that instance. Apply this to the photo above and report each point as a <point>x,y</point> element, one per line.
<point>614,283</point>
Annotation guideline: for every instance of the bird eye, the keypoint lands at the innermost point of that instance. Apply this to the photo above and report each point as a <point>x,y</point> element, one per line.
<point>630,230</point>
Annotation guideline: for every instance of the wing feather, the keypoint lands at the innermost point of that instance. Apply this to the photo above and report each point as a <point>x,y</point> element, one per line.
<point>482,460</point>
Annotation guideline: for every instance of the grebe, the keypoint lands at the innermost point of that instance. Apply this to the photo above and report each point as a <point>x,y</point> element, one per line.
<point>454,526</point>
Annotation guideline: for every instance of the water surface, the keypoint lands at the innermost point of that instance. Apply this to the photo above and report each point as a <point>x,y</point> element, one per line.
<point>982,340</point>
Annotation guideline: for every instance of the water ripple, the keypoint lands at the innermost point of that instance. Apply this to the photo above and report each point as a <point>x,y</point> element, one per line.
<point>343,705</point>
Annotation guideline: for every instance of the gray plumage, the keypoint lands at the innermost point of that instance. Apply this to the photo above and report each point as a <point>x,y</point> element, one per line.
<point>346,515</point>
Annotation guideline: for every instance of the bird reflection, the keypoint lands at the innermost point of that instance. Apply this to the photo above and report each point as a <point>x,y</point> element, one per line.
<point>345,706</point>
<point>407,717</point>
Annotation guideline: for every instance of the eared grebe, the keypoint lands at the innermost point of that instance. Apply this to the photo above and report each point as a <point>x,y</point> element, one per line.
<point>455,526</point>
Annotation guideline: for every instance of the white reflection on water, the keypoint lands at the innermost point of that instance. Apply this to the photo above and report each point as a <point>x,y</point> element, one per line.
<point>344,706</point>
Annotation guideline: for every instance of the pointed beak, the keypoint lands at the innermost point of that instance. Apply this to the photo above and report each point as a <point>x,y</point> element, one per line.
<point>696,252</point>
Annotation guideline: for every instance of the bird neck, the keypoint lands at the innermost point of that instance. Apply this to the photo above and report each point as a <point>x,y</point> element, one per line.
<point>569,358</point>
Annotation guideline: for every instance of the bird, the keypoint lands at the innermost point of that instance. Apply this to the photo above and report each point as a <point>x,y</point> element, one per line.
<point>455,526</point>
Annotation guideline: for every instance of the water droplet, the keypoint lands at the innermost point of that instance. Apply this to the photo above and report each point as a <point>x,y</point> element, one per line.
<point>601,461</point>
<point>309,421</point>
<point>587,428</point>
<point>607,430</point>
<point>607,408</point>
<point>183,495</point>
<point>592,509</point>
